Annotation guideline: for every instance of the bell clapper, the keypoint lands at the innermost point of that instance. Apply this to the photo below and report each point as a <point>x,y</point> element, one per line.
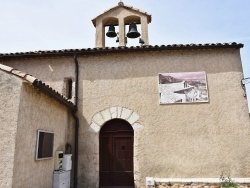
<point>117,39</point>
<point>141,41</point>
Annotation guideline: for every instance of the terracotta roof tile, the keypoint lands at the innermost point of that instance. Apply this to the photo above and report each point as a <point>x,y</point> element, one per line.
<point>120,49</point>
<point>6,68</point>
<point>18,73</point>
<point>38,84</point>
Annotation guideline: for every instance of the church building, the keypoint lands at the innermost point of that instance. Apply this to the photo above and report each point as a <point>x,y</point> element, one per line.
<point>132,117</point>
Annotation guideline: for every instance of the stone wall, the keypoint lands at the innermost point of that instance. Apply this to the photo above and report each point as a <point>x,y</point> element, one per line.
<point>179,140</point>
<point>10,88</point>
<point>196,185</point>
<point>199,182</point>
<point>37,111</point>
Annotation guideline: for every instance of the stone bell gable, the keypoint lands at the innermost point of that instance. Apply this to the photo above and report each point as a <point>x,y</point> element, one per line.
<point>121,15</point>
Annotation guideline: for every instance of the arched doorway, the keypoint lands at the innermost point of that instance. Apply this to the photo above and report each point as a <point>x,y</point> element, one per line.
<point>116,155</point>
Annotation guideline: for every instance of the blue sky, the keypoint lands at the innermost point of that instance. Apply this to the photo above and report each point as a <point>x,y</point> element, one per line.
<point>30,25</point>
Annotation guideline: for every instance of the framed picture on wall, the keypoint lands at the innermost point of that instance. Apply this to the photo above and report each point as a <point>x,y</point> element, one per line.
<point>183,87</point>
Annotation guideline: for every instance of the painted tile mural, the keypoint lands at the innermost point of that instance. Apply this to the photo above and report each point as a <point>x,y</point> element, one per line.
<point>184,87</point>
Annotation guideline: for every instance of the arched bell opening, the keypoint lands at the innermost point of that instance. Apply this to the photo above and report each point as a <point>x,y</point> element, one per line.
<point>132,18</point>
<point>111,31</point>
<point>116,154</point>
<point>133,30</point>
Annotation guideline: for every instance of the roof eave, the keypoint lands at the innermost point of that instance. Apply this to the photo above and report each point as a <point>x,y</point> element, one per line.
<point>38,84</point>
<point>91,51</point>
<point>42,87</point>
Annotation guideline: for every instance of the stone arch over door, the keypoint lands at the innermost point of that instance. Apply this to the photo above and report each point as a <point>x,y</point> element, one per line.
<point>101,117</point>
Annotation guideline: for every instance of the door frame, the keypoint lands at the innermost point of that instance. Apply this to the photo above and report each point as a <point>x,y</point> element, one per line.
<point>113,129</point>
<point>98,119</point>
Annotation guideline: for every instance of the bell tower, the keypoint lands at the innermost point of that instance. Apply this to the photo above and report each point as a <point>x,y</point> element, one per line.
<point>122,15</point>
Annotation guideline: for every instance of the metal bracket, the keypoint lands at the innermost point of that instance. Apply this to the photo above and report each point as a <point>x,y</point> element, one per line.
<point>245,81</point>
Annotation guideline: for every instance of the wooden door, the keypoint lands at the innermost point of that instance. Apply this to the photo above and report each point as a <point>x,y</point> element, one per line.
<point>116,155</point>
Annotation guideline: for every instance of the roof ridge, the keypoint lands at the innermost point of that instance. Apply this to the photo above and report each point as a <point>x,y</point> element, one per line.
<point>123,5</point>
<point>18,73</point>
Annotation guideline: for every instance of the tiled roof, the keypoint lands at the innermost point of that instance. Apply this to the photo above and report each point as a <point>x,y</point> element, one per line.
<point>120,4</point>
<point>123,49</point>
<point>38,84</point>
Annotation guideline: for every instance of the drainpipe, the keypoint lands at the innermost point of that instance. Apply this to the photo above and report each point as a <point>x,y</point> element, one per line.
<point>75,115</point>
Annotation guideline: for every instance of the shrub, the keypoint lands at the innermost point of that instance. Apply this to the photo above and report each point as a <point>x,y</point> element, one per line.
<point>227,182</point>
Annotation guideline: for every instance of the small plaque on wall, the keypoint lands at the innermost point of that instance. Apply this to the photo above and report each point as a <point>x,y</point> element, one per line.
<point>183,87</point>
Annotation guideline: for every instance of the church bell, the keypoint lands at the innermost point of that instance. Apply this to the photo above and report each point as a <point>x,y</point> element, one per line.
<point>111,32</point>
<point>133,33</point>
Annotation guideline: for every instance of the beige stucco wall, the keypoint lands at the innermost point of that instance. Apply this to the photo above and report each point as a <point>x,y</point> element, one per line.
<point>37,111</point>
<point>179,140</point>
<point>185,140</point>
<point>10,87</point>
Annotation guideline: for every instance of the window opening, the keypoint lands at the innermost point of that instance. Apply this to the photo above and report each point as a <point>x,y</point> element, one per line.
<point>68,87</point>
